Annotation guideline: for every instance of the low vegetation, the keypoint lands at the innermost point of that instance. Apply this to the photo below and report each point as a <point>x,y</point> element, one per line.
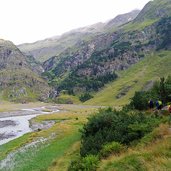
<point>136,78</point>
<point>112,132</point>
<point>54,143</point>
<point>160,91</point>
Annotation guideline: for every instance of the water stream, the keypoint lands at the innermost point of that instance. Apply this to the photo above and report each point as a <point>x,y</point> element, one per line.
<point>15,126</point>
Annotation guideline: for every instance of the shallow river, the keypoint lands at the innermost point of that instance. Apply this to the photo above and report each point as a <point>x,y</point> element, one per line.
<point>15,126</point>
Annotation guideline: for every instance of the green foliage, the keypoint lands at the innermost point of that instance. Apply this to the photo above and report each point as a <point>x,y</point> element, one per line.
<point>85,83</point>
<point>61,100</point>
<point>137,77</point>
<point>84,97</point>
<point>43,155</point>
<point>156,134</point>
<point>165,89</point>
<point>140,100</point>
<point>161,90</point>
<point>122,47</point>
<point>49,74</point>
<point>111,148</point>
<point>119,126</point>
<point>88,163</point>
<point>132,162</point>
<point>163,30</point>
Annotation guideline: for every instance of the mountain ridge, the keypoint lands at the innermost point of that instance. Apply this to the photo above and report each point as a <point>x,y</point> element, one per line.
<point>19,81</point>
<point>92,59</point>
<point>88,66</point>
<point>44,49</point>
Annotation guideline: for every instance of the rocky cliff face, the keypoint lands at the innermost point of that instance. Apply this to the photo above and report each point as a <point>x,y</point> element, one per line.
<point>45,49</point>
<point>91,61</point>
<point>10,56</point>
<point>18,82</point>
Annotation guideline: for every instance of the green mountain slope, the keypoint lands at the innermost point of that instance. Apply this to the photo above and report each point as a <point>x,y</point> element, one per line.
<point>154,10</point>
<point>89,66</point>
<point>93,60</point>
<point>19,79</point>
<point>138,77</point>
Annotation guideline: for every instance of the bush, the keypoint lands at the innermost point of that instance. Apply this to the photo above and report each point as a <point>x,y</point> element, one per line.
<point>84,97</point>
<point>119,126</point>
<point>140,100</point>
<point>61,100</point>
<point>161,90</point>
<point>88,163</point>
<point>111,148</point>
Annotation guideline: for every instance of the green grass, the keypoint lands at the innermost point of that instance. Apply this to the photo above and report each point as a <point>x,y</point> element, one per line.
<point>56,152</point>
<point>135,78</point>
<point>65,98</point>
<point>154,155</point>
<point>45,156</point>
<point>157,158</point>
<point>138,26</point>
<point>20,85</point>
<point>13,145</point>
<point>130,163</point>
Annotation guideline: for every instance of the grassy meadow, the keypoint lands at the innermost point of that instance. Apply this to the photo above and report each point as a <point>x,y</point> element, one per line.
<point>61,143</point>
<point>150,154</point>
<point>138,77</point>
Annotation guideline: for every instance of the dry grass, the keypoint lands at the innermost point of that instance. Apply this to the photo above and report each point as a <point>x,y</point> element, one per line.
<point>154,156</point>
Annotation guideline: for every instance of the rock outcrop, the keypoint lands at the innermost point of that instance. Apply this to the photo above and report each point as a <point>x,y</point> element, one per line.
<point>18,81</point>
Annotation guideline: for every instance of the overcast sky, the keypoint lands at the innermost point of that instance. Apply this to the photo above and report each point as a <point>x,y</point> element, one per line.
<point>24,21</point>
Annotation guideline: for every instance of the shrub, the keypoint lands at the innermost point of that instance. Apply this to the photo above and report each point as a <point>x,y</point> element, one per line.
<point>161,90</point>
<point>61,100</point>
<point>88,163</point>
<point>111,148</point>
<point>140,100</point>
<point>119,126</point>
<point>84,97</point>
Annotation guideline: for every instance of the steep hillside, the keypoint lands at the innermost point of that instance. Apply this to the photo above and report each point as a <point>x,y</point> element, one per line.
<point>140,76</point>
<point>18,81</point>
<point>93,60</point>
<point>146,156</point>
<point>45,49</point>
<point>122,19</point>
<point>154,10</point>
<point>88,66</point>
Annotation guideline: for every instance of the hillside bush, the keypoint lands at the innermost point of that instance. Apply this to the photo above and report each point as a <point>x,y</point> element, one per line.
<point>111,148</point>
<point>84,97</point>
<point>110,125</point>
<point>161,90</point>
<point>88,163</point>
<point>86,83</point>
<point>140,100</point>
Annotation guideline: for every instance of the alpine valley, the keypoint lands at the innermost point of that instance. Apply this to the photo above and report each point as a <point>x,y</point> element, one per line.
<point>88,97</point>
<point>94,58</point>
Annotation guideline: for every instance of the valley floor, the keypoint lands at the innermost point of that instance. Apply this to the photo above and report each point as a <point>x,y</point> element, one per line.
<point>44,148</point>
<point>55,147</point>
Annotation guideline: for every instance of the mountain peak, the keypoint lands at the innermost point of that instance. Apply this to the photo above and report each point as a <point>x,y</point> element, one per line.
<point>155,9</point>
<point>123,18</point>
